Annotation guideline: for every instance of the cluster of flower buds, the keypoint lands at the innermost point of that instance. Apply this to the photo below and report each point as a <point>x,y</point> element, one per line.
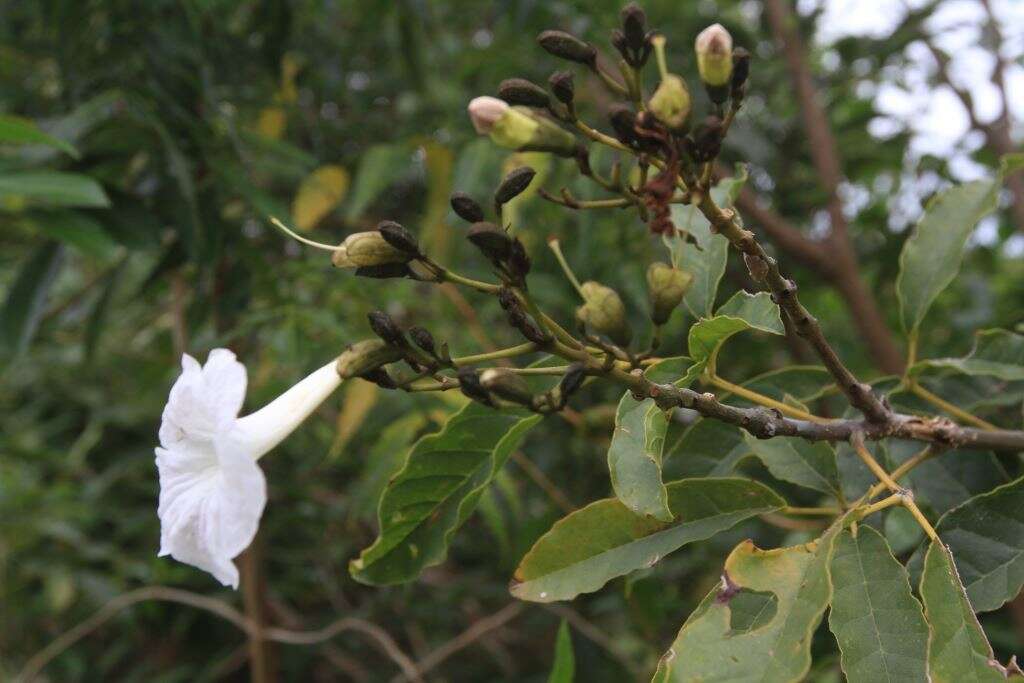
<point>633,40</point>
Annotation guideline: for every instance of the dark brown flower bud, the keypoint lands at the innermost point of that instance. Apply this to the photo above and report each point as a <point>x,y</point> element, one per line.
<point>707,139</point>
<point>469,384</point>
<point>507,385</point>
<point>634,26</point>
<point>384,327</point>
<point>423,339</point>
<point>380,377</point>
<point>491,240</point>
<point>568,46</point>
<point>562,85</point>
<point>513,185</point>
<point>466,208</point>
<point>519,91</point>
<point>398,237</point>
<point>740,69</point>
<point>623,121</point>
<point>572,380</point>
<point>385,271</point>
<point>619,42</point>
<point>518,262</point>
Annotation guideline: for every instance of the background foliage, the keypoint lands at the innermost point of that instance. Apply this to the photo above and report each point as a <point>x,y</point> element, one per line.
<point>141,235</point>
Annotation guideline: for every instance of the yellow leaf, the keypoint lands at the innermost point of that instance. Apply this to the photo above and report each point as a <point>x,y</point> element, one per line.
<point>272,122</point>
<point>359,399</point>
<point>318,194</point>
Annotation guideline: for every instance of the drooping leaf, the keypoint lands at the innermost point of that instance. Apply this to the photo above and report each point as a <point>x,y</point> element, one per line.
<point>318,194</point>
<point>564,668</point>
<point>806,463</point>
<point>996,353</point>
<point>26,299</point>
<point>591,546</point>
<point>931,256</point>
<point>634,457</point>
<point>957,649</point>
<point>986,537</point>
<point>436,490</point>
<point>878,623</point>
<point>20,131</point>
<point>708,648</point>
<point>51,188</point>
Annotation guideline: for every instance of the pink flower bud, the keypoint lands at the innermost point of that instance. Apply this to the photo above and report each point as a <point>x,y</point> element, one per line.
<point>485,112</point>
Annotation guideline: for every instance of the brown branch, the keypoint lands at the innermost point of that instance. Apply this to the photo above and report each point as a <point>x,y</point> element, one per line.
<point>842,256</point>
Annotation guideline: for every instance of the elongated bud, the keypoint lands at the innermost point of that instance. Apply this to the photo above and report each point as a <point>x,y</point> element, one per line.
<point>623,121</point>
<point>740,71</point>
<point>466,208</point>
<point>666,286</point>
<point>422,338</point>
<point>518,318</point>
<point>491,240</point>
<point>366,356</point>
<point>670,103</point>
<point>367,249</point>
<point>572,380</point>
<point>384,327</point>
<point>398,237</point>
<point>469,384</point>
<point>634,26</point>
<point>562,85</point>
<point>523,92</point>
<point>514,184</point>
<point>714,61</point>
<point>604,312</point>
<point>568,46</point>
<point>506,385</point>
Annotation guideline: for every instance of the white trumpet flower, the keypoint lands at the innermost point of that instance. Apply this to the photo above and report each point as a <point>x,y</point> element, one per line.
<point>212,492</point>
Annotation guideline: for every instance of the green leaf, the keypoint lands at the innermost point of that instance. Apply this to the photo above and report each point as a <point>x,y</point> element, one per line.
<point>634,457</point>
<point>604,540</point>
<point>706,260</point>
<point>376,172</point>
<point>26,299</point>
<point>708,447</point>
<point>996,353</point>
<point>742,312</point>
<point>806,463</point>
<point>958,650</point>
<point>878,623</point>
<point>678,370</point>
<point>951,478</point>
<point>564,669</point>
<point>51,188</point>
<point>986,536</point>
<point>709,647</point>
<point>19,131</point>
<point>436,490</point>
<point>75,228</point>
<point>931,256</point>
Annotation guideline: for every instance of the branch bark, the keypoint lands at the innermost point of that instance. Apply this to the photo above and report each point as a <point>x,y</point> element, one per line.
<point>843,268</point>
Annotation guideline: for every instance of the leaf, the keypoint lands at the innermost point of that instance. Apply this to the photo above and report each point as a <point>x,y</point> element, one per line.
<point>708,448</point>
<point>385,458</point>
<point>101,310</point>
<point>877,622</point>
<point>931,256</point>
<point>951,478</point>
<point>808,464</point>
<point>51,188</point>
<point>742,312</point>
<point>996,353</point>
<point>706,260</point>
<point>26,298</point>
<point>986,536</point>
<point>564,669</point>
<point>604,540</point>
<point>20,131</point>
<point>375,174</point>
<point>958,650</point>
<point>708,648</point>
<point>75,228</point>
<point>678,370</point>
<point>318,194</point>
<point>436,490</point>
<point>634,457</point>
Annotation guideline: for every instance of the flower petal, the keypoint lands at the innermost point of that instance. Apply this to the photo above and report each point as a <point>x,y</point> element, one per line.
<point>211,501</point>
<point>203,401</point>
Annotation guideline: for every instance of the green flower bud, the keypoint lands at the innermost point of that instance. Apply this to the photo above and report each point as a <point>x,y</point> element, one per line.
<point>365,357</point>
<point>519,128</point>
<point>667,286</point>
<point>714,56</point>
<point>367,249</point>
<point>506,385</point>
<point>604,312</point>
<point>670,103</point>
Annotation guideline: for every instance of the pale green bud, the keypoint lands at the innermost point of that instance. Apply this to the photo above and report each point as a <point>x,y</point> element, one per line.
<point>519,128</point>
<point>363,249</point>
<point>667,287</point>
<point>670,103</point>
<point>604,312</point>
<point>366,356</point>
<point>714,55</point>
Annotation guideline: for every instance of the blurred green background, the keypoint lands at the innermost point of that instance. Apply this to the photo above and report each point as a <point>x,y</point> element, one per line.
<point>194,120</point>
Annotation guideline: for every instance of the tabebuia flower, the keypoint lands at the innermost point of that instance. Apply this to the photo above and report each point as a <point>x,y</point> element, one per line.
<point>212,491</point>
<point>519,128</point>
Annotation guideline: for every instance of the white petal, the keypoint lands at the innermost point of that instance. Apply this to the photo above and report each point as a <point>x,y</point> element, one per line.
<point>211,499</point>
<point>204,401</point>
<point>263,430</point>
